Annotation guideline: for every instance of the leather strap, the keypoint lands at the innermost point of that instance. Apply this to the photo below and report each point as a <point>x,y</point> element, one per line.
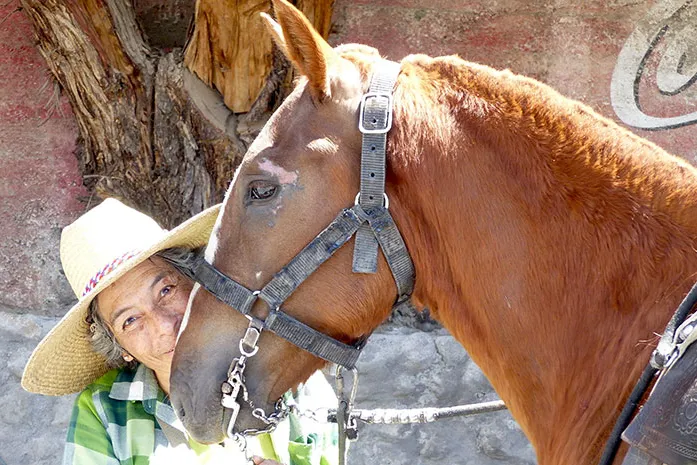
<point>375,122</point>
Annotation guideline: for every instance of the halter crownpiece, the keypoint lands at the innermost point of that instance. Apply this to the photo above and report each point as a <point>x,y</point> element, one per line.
<point>373,225</point>
<point>375,121</point>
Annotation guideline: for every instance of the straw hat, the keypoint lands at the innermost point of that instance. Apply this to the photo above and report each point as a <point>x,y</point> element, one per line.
<point>98,248</point>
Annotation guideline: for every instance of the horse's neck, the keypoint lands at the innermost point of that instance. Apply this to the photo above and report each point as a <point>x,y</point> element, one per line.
<point>552,268</point>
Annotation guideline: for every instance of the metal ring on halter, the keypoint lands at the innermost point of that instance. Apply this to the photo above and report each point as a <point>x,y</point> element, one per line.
<point>385,200</point>
<point>245,352</point>
<point>255,294</point>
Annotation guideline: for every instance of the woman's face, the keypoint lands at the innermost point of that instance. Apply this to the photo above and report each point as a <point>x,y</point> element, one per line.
<point>144,309</point>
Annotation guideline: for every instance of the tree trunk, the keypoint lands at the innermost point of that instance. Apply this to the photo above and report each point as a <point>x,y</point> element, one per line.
<point>161,138</point>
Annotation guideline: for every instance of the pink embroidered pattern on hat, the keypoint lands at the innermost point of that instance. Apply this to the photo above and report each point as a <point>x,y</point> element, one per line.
<point>108,268</point>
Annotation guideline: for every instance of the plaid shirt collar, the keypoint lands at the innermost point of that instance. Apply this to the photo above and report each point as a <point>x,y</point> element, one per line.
<point>139,385</point>
<point>142,386</point>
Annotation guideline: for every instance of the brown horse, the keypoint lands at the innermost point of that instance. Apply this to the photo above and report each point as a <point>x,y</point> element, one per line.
<point>553,244</point>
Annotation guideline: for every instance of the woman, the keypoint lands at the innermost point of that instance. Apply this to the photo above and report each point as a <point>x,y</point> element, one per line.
<point>116,346</point>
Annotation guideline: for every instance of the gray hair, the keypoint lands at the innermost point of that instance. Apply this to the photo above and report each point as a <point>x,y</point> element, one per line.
<point>102,339</point>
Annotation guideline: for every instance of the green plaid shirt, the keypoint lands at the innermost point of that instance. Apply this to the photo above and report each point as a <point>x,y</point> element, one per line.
<point>116,421</point>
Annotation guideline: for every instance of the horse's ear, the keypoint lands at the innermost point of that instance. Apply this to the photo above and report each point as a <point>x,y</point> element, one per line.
<point>309,53</point>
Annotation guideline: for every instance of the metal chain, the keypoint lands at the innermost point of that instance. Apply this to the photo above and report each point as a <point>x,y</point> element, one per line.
<point>241,441</point>
<point>281,411</point>
<point>234,386</point>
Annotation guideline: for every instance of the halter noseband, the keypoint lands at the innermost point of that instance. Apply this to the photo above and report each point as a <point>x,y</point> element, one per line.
<point>373,225</point>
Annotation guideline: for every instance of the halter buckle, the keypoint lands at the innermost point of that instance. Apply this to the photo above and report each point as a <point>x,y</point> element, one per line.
<point>376,102</point>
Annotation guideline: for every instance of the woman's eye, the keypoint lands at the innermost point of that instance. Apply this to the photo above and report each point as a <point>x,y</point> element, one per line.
<point>262,191</point>
<point>166,291</point>
<point>128,322</point>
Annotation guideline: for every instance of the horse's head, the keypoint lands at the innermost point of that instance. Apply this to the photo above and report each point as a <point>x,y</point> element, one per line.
<point>303,168</point>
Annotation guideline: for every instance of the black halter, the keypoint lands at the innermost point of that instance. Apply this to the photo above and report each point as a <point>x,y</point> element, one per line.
<point>289,278</point>
<point>368,218</point>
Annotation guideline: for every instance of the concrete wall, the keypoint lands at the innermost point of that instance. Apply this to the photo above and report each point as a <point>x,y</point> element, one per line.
<point>609,54</point>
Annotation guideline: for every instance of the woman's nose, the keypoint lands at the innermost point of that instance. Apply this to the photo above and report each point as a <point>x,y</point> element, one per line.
<point>168,322</point>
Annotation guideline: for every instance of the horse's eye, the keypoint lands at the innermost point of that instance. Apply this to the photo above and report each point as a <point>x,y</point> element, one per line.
<point>262,191</point>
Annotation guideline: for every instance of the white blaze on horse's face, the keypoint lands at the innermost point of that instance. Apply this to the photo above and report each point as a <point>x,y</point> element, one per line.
<point>287,182</point>
<point>185,320</point>
<point>284,176</point>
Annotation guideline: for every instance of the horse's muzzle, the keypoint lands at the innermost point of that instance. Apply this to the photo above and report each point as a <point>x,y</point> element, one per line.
<point>202,414</point>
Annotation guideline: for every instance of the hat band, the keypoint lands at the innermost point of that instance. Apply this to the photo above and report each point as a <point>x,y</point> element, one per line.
<point>108,268</point>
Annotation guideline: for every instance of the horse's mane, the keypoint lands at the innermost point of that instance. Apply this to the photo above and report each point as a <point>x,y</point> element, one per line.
<point>562,148</point>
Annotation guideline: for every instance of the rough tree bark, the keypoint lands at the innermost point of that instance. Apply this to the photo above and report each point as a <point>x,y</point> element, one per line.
<point>165,119</point>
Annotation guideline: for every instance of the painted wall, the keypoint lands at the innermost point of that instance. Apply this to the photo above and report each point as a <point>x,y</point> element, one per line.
<point>40,192</point>
<point>633,61</point>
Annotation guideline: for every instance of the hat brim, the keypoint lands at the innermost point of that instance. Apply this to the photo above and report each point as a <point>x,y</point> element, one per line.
<point>64,362</point>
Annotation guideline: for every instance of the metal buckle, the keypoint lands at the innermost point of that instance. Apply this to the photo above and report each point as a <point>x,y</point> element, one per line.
<point>385,200</point>
<point>667,353</point>
<point>388,122</point>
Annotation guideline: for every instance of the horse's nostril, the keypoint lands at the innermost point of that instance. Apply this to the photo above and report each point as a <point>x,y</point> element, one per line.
<point>178,407</point>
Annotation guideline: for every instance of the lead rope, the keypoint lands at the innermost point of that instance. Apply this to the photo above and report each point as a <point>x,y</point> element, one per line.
<point>347,418</point>
<point>408,416</point>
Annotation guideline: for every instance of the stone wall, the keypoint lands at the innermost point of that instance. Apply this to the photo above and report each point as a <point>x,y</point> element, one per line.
<point>403,367</point>
<point>609,54</point>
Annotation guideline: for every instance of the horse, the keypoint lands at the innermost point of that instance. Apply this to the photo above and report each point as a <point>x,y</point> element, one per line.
<point>553,244</point>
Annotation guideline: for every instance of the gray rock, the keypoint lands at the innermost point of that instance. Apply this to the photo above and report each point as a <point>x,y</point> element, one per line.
<point>406,368</point>
<point>32,427</point>
<point>18,326</point>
